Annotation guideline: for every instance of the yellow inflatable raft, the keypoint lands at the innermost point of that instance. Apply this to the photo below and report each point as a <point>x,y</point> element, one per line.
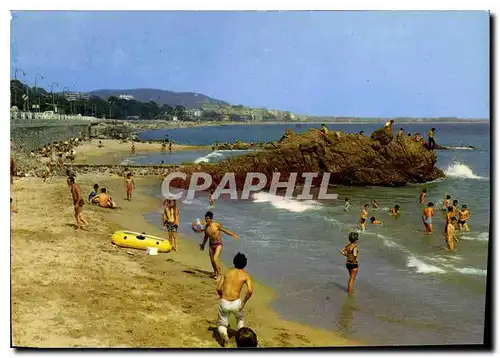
<point>136,240</point>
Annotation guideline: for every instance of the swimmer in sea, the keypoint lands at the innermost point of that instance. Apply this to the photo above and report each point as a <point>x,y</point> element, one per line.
<point>394,211</point>
<point>347,205</point>
<point>450,236</point>
<point>350,251</point>
<point>446,202</point>
<point>363,218</point>
<point>213,234</point>
<point>211,199</point>
<point>374,205</point>
<point>421,198</point>
<point>374,221</point>
<point>427,215</point>
<point>129,185</point>
<point>463,216</point>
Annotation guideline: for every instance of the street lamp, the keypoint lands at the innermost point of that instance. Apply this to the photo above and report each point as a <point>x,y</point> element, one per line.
<point>41,77</point>
<point>52,90</point>
<point>15,78</point>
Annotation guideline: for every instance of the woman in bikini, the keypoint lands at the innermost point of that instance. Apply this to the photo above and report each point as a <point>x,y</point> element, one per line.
<point>350,251</point>
<point>363,218</point>
<point>171,222</point>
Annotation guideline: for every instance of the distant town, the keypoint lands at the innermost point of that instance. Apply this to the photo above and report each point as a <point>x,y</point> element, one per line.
<point>109,104</point>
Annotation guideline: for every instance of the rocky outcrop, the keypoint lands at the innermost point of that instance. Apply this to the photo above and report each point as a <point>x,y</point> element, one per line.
<point>350,159</point>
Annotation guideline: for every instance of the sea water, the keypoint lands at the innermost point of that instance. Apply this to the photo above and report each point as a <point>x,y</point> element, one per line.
<point>408,290</point>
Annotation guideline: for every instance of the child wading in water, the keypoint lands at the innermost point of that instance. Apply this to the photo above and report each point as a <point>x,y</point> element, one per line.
<point>347,205</point>
<point>374,221</point>
<point>374,205</point>
<point>129,185</point>
<point>427,215</point>
<point>446,202</point>
<point>421,198</point>
<point>171,222</point>
<point>395,211</point>
<point>463,216</point>
<point>350,251</point>
<point>450,236</point>
<point>363,218</point>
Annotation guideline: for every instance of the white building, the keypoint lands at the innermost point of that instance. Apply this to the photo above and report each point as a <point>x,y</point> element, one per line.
<point>126,97</point>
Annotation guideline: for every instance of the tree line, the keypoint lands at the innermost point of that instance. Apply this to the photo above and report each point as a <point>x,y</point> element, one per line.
<point>39,100</point>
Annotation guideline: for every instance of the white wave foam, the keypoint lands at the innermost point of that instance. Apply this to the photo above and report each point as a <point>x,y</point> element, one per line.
<point>423,267</point>
<point>470,271</point>
<point>283,203</point>
<point>461,148</point>
<point>216,154</point>
<point>461,171</point>
<point>483,236</point>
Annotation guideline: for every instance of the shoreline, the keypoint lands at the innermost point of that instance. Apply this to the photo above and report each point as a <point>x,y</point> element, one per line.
<point>74,289</point>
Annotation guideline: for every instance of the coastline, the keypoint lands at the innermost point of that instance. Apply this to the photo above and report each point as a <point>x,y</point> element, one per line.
<point>113,152</point>
<point>152,125</point>
<point>74,289</point>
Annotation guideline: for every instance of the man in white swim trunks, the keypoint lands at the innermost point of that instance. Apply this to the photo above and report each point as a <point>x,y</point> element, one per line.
<point>229,289</point>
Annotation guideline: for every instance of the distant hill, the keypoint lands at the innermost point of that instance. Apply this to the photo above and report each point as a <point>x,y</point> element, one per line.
<point>187,99</point>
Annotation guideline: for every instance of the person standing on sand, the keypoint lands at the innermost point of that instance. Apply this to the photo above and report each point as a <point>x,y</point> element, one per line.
<point>132,150</point>
<point>78,215</point>
<point>12,169</point>
<point>229,289</point>
<point>213,234</point>
<point>129,185</point>
<point>421,198</point>
<point>350,251</point>
<point>171,222</point>
<point>170,147</point>
<point>76,192</point>
<point>427,215</point>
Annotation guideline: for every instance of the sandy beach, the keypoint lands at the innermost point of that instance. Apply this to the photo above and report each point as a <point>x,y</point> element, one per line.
<point>75,289</point>
<point>114,151</point>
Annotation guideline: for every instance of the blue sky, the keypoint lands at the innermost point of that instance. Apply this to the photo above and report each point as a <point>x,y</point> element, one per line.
<point>381,64</point>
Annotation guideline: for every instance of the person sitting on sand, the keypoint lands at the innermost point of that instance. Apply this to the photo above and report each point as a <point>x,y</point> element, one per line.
<point>104,200</point>
<point>229,289</point>
<point>246,338</point>
<point>421,198</point>
<point>76,192</point>
<point>427,215</point>
<point>213,234</point>
<point>401,133</point>
<point>347,205</point>
<point>395,211</point>
<point>93,193</point>
<point>374,205</point>
<point>100,144</point>
<point>129,185</point>
<point>363,218</point>
<point>361,134</point>
<point>450,236</point>
<point>374,221</point>
<point>350,251</point>
<point>78,215</point>
<point>463,216</point>
<point>171,222</point>
<point>409,135</point>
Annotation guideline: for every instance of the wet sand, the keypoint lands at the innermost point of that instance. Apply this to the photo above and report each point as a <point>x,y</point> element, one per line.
<point>75,289</point>
<point>113,151</point>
